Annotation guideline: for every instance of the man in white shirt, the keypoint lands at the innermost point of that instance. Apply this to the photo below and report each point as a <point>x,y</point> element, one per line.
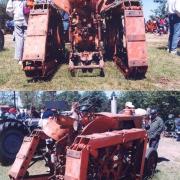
<point>15,9</point>
<point>173,8</point>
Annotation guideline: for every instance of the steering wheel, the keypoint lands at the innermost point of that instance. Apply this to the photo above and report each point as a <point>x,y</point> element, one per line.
<point>86,104</point>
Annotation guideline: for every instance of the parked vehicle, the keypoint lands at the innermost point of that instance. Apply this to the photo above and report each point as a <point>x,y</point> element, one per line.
<point>169,126</point>
<point>12,132</point>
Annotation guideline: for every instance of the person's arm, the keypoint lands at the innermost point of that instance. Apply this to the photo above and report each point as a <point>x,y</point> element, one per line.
<point>160,128</point>
<point>9,8</point>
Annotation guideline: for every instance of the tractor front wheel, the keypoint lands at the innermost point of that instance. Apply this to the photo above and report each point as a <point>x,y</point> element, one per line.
<point>150,162</point>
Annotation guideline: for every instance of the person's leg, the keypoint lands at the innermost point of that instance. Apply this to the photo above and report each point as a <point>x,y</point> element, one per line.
<point>19,39</point>
<point>176,33</point>
<point>171,29</point>
<point>24,30</point>
<point>154,143</point>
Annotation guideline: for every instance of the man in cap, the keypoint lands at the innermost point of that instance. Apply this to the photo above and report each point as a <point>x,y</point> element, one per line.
<point>129,108</point>
<point>155,129</point>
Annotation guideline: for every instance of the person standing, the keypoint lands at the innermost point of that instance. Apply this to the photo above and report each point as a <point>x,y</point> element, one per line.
<point>173,8</point>
<point>155,129</point>
<point>15,9</point>
<point>34,113</point>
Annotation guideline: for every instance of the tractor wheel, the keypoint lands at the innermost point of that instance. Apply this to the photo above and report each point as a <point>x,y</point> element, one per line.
<point>1,40</point>
<point>11,137</point>
<point>150,162</point>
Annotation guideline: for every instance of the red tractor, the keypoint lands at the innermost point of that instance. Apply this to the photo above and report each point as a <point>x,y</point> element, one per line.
<point>97,29</point>
<point>86,145</point>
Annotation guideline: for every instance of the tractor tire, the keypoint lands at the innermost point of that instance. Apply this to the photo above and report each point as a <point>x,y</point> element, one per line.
<point>1,40</point>
<point>150,163</point>
<point>12,133</point>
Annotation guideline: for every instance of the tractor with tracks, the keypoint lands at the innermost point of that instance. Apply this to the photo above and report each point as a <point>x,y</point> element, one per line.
<point>87,145</point>
<point>96,30</point>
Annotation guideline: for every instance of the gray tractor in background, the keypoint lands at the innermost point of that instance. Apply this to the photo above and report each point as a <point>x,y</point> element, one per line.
<point>12,132</point>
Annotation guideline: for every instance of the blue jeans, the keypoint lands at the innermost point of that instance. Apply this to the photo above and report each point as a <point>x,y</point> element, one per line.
<point>174,35</point>
<point>154,143</point>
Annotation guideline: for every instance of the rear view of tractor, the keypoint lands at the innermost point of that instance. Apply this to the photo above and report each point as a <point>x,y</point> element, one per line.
<point>85,145</point>
<point>85,35</point>
<point>97,30</point>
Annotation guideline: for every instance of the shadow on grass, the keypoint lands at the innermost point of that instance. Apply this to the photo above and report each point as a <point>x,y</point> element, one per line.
<point>47,78</point>
<point>162,48</point>
<point>5,49</point>
<point>161,159</point>
<point>79,73</point>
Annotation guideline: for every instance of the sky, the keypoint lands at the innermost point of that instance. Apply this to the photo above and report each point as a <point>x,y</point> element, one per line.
<point>148,5</point>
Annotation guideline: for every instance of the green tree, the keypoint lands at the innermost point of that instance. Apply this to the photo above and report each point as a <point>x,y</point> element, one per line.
<point>69,96</point>
<point>160,11</point>
<point>7,98</point>
<point>99,99</point>
<point>47,96</point>
<point>29,98</point>
<point>167,102</point>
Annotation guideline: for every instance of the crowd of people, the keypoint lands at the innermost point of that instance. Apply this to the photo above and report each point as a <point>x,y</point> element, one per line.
<point>158,25</point>
<point>20,114</point>
<point>23,114</point>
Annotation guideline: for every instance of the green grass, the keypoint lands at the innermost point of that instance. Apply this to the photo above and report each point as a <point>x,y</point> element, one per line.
<point>163,173</point>
<point>163,73</point>
<point>166,173</point>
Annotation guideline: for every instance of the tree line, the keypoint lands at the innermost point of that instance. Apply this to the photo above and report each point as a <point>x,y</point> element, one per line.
<point>166,102</point>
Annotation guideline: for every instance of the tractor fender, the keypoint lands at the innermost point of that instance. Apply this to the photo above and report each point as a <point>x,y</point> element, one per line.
<point>99,125</point>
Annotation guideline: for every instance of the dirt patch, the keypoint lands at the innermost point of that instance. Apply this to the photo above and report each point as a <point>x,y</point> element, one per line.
<point>169,159</point>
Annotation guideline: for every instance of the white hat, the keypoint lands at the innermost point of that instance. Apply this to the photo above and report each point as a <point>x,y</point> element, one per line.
<point>129,104</point>
<point>140,112</point>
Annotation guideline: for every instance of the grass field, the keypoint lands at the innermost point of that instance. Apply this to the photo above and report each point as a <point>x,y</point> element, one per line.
<point>163,73</point>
